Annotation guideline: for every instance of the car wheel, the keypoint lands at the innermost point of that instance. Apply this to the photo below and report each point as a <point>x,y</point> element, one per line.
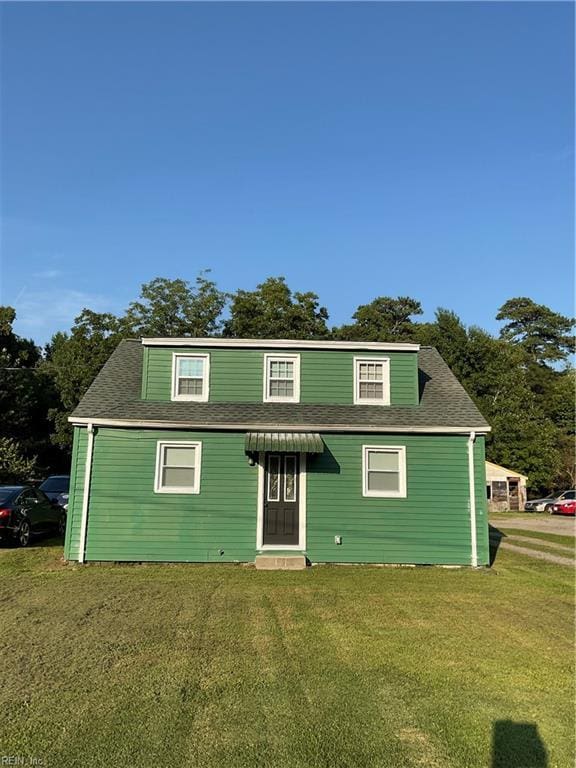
<point>24,533</point>
<point>62,526</point>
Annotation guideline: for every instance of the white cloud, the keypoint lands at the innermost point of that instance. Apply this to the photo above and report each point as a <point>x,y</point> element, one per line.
<point>47,274</point>
<point>42,313</point>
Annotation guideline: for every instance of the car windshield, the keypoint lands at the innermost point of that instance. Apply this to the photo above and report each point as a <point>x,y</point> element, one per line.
<point>55,485</point>
<point>6,493</point>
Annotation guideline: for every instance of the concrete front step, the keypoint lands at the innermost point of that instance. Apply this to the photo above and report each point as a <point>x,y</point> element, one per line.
<point>280,562</point>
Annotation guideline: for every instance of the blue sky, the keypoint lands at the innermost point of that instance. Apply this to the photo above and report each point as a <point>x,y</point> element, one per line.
<point>421,149</point>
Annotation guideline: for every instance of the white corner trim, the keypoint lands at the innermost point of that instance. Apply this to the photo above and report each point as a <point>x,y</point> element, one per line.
<point>385,362</point>
<point>160,445</point>
<point>280,344</point>
<point>472,490</point>
<point>401,493</point>
<point>276,427</point>
<point>203,398</point>
<point>86,493</point>
<point>267,398</point>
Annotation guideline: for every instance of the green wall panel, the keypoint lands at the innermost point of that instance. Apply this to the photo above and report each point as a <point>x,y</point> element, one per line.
<point>128,521</point>
<point>236,375</point>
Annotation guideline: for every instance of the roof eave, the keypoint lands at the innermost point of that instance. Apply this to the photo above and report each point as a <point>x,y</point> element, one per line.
<point>374,346</point>
<point>259,427</point>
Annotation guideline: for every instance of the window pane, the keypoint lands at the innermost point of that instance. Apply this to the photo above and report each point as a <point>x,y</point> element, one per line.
<point>273,478</point>
<point>178,477</point>
<point>381,460</point>
<point>179,456</point>
<point>281,369</point>
<point>281,388</point>
<point>371,390</point>
<point>290,478</point>
<point>370,371</point>
<point>383,481</point>
<point>190,386</point>
<point>191,366</point>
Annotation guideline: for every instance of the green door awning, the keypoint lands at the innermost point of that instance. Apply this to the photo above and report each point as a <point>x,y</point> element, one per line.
<point>283,442</point>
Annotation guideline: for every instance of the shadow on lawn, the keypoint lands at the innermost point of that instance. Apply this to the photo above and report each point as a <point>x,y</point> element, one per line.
<point>517,745</point>
<point>495,537</point>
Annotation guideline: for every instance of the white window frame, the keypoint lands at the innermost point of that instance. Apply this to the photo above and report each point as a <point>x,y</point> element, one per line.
<point>401,493</point>
<point>295,359</point>
<point>385,363</point>
<point>203,398</point>
<point>160,446</point>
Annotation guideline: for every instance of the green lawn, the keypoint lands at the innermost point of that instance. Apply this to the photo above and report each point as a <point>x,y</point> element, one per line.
<point>225,666</point>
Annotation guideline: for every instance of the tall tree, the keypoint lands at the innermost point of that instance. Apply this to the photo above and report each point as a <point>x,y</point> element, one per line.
<point>384,319</point>
<point>546,336</point>
<point>176,308</point>
<point>26,394</point>
<point>273,311</point>
<point>73,360</point>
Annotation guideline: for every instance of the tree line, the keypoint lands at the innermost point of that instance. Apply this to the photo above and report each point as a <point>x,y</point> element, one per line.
<point>522,379</point>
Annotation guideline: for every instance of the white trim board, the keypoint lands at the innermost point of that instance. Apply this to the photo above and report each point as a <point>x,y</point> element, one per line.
<point>375,346</point>
<point>275,427</point>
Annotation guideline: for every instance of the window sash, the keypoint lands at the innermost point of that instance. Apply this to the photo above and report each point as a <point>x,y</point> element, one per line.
<point>180,459</point>
<point>190,377</point>
<point>281,378</point>
<point>381,478</point>
<point>372,381</point>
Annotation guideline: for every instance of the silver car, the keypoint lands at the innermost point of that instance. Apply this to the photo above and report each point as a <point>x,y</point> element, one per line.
<point>545,505</point>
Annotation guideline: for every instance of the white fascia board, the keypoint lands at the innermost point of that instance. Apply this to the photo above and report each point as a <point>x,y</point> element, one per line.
<point>375,346</point>
<point>240,427</point>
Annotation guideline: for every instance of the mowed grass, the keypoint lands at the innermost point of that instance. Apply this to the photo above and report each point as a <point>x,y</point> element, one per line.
<point>336,666</point>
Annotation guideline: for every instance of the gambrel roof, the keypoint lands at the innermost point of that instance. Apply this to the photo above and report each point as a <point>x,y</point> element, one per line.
<point>115,397</point>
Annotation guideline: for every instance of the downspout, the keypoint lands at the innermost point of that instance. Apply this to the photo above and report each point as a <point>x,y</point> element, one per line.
<point>473,539</point>
<point>86,493</point>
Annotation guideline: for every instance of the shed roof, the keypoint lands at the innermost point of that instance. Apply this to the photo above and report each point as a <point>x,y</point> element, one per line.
<point>115,397</point>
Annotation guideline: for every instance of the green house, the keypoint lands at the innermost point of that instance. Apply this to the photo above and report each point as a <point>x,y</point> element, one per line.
<point>218,450</point>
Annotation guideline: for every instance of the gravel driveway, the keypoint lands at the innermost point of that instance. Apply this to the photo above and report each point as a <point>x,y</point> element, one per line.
<point>565,526</point>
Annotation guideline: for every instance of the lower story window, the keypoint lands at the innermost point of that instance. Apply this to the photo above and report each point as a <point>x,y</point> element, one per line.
<point>177,467</point>
<point>384,471</point>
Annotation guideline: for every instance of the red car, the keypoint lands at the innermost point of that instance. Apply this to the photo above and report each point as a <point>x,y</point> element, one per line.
<point>564,508</point>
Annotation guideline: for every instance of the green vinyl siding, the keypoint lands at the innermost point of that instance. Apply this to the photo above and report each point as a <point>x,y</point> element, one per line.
<point>76,491</point>
<point>236,375</point>
<point>431,525</point>
<point>128,521</point>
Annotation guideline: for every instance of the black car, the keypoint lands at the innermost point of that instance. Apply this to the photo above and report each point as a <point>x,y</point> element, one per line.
<point>25,511</point>
<point>56,487</point>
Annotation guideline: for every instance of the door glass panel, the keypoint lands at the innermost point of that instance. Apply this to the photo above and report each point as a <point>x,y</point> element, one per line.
<point>290,478</point>
<point>273,478</point>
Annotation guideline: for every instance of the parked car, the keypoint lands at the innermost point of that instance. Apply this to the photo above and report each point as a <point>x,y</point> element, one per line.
<point>56,487</point>
<point>545,505</point>
<point>564,508</point>
<point>26,511</point>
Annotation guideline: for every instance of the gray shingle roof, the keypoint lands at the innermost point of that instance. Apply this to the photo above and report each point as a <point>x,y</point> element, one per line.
<point>115,395</point>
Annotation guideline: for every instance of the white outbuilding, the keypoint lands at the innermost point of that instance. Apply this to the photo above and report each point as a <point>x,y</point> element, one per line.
<point>505,488</point>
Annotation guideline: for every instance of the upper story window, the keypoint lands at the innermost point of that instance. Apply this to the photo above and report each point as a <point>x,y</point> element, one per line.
<point>190,377</point>
<point>371,381</point>
<point>281,378</point>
